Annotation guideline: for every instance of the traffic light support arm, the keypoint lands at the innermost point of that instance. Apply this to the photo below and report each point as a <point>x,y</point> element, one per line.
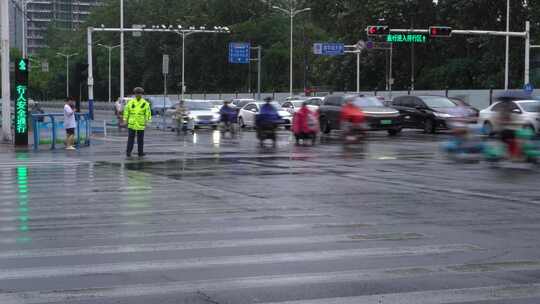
<point>525,35</point>
<point>464,32</point>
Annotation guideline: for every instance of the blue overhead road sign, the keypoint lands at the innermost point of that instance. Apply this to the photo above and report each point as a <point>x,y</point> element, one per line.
<point>239,52</point>
<point>329,49</point>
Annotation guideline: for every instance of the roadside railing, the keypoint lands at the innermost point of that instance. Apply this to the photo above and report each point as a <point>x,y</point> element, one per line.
<point>50,124</point>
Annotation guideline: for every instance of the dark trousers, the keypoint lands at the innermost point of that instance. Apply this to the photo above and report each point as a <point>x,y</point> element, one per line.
<point>131,141</point>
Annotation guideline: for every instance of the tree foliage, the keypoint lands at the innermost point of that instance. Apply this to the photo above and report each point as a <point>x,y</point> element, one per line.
<point>460,62</point>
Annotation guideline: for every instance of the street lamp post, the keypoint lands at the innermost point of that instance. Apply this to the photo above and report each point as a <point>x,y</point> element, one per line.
<point>507,54</point>
<point>292,11</point>
<point>67,56</point>
<point>185,33</point>
<point>122,89</point>
<point>109,49</point>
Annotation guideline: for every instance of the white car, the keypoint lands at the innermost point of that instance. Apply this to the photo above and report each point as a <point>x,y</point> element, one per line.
<point>313,103</point>
<point>525,113</point>
<point>240,103</point>
<point>246,117</point>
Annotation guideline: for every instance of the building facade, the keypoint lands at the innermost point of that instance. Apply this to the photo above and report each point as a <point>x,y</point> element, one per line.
<point>15,23</point>
<point>67,14</point>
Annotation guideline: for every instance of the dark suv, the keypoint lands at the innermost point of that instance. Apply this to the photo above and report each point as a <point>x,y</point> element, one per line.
<point>378,116</point>
<point>431,113</point>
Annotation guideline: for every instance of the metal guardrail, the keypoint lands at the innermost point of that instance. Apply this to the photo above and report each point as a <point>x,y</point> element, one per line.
<point>83,123</point>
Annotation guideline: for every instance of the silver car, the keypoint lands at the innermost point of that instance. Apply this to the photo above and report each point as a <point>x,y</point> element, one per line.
<point>202,113</point>
<point>525,113</point>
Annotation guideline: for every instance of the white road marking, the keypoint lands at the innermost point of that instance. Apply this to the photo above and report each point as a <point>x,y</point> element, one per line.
<point>445,296</point>
<point>436,296</point>
<point>156,247</point>
<point>205,262</point>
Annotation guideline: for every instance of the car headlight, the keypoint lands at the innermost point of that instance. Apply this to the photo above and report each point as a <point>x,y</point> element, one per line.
<point>442,115</point>
<point>216,117</point>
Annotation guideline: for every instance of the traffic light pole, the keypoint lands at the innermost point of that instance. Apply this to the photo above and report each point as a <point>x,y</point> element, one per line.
<point>358,51</point>
<point>525,35</point>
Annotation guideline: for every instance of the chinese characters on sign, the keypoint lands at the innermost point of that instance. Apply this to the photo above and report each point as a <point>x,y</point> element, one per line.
<point>20,106</point>
<point>406,38</point>
<point>239,52</point>
<point>329,49</point>
<point>21,103</point>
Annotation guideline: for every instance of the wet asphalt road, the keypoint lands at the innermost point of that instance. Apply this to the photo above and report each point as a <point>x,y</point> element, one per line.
<point>203,219</point>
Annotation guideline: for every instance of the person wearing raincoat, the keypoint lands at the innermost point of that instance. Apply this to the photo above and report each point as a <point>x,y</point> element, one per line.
<point>305,124</point>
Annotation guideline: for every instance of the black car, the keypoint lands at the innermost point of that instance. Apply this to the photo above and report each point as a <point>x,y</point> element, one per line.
<point>378,116</point>
<point>431,113</point>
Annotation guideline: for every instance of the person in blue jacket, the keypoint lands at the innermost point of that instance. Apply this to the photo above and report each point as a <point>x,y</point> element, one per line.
<point>227,113</point>
<point>268,113</point>
<point>267,121</point>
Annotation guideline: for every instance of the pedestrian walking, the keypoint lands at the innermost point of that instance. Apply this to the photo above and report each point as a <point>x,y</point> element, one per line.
<point>69,123</point>
<point>137,114</point>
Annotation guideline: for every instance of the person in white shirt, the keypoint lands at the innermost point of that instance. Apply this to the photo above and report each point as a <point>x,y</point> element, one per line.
<point>69,123</point>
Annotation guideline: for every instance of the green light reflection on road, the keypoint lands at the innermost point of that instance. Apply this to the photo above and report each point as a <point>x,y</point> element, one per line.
<point>24,217</point>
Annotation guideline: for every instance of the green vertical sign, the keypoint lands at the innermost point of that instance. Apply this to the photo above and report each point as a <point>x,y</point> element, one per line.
<point>21,102</point>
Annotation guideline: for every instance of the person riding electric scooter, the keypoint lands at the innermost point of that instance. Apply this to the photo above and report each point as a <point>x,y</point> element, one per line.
<point>266,122</point>
<point>305,125</point>
<point>228,118</point>
<point>352,120</point>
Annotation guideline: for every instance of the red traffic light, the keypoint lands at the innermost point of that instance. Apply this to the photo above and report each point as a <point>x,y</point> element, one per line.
<point>440,31</point>
<point>378,30</point>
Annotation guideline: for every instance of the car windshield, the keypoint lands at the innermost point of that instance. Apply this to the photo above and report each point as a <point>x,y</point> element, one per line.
<point>199,106</point>
<point>531,106</point>
<point>297,103</point>
<point>368,102</point>
<point>438,102</point>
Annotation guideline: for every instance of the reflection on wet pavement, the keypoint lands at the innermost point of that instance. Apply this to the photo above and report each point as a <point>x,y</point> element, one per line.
<point>205,218</point>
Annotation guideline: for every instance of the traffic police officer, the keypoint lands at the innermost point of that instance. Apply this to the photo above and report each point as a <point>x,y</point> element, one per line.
<point>137,114</point>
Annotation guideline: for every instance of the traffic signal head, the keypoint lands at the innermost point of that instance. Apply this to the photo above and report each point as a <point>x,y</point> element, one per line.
<point>378,30</point>
<point>440,31</point>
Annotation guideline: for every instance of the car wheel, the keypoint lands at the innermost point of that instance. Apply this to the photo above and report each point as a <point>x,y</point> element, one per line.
<point>241,122</point>
<point>394,132</point>
<point>429,126</point>
<point>325,126</point>
<point>488,128</point>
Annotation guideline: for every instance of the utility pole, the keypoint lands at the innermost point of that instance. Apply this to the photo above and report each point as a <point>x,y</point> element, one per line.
<point>6,89</point>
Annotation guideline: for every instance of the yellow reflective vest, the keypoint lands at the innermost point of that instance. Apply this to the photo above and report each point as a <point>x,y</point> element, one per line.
<point>137,114</point>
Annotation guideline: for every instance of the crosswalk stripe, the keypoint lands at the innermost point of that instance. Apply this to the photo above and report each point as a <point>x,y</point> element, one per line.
<point>446,296</point>
<point>205,262</point>
<point>230,284</point>
<point>92,235</point>
<point>156,247</point>
<point>201,218</point>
